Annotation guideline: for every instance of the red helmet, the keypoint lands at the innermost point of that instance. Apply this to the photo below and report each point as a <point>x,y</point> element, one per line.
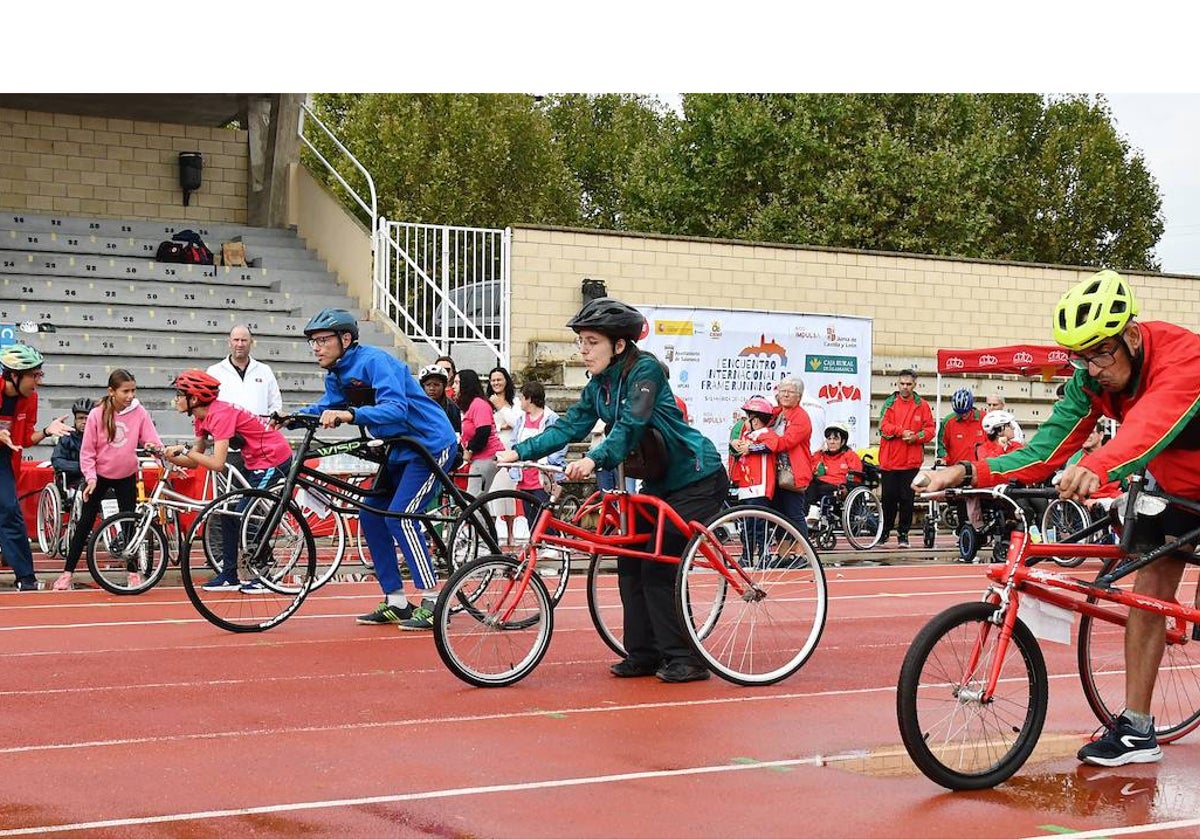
<point>759,405</point>
<point>196,383</point>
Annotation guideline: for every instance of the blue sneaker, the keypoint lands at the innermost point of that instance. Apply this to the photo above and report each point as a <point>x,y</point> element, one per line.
<point>221,582</point>
<point>1122,744</point>
<point>252,587</point>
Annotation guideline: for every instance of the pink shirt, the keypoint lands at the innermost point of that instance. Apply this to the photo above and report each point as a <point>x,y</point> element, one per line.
<point>478,414</point>
<point>531,479</point>
<point>263,448</point>
<point>116,458</point>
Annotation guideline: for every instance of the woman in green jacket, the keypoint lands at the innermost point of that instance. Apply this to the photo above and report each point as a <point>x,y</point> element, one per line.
<point>629,392</point>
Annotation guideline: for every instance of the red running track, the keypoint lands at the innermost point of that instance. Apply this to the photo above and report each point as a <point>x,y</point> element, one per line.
<point>132,717</point>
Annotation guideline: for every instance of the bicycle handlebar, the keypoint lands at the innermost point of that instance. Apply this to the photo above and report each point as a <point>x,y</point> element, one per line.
<point>536,465</point>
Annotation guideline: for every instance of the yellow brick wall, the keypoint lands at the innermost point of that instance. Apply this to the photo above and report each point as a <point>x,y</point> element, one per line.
<point>917,304</point>
<point>95,166</point>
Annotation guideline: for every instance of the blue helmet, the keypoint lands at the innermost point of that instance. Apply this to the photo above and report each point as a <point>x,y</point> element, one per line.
<point>962,401</point>
<point>337,320</point>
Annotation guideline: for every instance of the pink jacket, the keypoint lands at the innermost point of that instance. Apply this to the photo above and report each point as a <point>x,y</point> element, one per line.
<point>116,458</point>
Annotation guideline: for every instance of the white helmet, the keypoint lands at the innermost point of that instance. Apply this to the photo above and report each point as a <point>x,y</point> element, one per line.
<point>993,421</point>
<point>433,370</point>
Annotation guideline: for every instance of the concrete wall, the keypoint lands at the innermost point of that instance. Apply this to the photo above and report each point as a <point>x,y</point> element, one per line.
<point>95,166</point>
<point>329,229</point>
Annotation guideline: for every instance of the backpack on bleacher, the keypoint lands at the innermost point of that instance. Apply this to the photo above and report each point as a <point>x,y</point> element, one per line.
<point>193,247</point>
<point>169,252</point>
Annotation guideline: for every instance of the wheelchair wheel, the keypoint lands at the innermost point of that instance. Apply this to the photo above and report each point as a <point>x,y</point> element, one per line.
<point>862,518</point>
<point>49,520</point>
<point>968,543</point>
<point>1064,517</point>
<point>949,518</point>
<point>753,603</point>
<point>928,532</point>
<point>823,536</point>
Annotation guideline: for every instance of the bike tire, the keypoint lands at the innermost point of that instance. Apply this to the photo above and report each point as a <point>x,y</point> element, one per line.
<point>604,602</point>
<point>49,519</point>
<point>955,738</point>
<point>503,627</point>
<point>1175,703</point>
<point>1064,517</point>
<point>142,550</point>
<point>753,603</point>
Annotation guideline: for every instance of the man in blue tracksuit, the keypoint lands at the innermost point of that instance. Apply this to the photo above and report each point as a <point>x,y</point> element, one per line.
<point>369,387</point>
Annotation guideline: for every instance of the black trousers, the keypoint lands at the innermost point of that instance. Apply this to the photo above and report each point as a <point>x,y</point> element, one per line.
<point>898,497</point>
<point>652,629</point>
<point>125,490</point>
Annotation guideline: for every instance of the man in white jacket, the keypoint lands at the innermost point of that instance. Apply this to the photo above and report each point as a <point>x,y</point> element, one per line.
<point>245,381</point>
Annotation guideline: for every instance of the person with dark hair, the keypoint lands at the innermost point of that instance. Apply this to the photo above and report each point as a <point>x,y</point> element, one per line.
<point>905,426</point>
<point>22,369</point>
<point>65,458</point>
<point>478,440</point>
<point>370,387</point>
<point>447,364</point>
<point>502,394</point>
<point>435,381</point>
<point>628,392</point>
<point>108,460</point>
<point>533,420</point>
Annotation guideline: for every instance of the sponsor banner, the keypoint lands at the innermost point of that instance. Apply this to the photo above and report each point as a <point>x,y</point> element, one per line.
<point>8,334</point>
<point>718,359</point>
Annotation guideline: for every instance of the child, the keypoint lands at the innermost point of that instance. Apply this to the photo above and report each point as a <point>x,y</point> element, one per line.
<point>832,464</point>
<point>535,419</point>
<point>752,467</point>
<point>266,453</point>
<point>65,458</point>
<point>108,460</point>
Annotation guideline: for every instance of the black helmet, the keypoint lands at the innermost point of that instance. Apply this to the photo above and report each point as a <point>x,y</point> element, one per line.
<point>611,317</point>
<point>338,320</point>
<point>83,405</point>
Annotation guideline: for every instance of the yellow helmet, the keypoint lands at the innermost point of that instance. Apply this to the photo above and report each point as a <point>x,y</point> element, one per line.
<point>1093,310</point>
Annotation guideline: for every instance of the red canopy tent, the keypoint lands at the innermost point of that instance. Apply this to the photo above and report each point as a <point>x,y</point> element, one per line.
<point>1045,360</point>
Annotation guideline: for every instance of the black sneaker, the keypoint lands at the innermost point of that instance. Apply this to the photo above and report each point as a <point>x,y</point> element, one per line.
<point>28,585</point>
<point>633,668</point>
<point>421,618</point>
<point>681,670</point>
<point>902,541</point>
<point>387,613</point>
<point>1122,744</point>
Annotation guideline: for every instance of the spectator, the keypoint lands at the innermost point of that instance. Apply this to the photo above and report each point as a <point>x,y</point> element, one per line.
<point>435,380</point>
<point>833,464</point>
<point>502,394</point>
<point>370,387</point>
<point>479,440</point>
<point>245,381</point>
<point>905,426</point>
<point>995,402</point>
<point>266,452</point>
<point>534,420</point>
<point>65,458</point>
<point>962,432</point>
<point>628,392</point>
<point>21,366</point>
<point>447,364</point>
<point>109,461</point>
<point>752,465</point>
<point>794,442</point>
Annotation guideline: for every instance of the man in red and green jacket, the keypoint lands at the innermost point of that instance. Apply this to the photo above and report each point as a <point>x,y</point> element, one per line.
<point>905,426</point>
<point>1144,376</point>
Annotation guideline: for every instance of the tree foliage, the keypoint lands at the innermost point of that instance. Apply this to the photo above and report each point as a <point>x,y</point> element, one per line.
<point>992,176</point>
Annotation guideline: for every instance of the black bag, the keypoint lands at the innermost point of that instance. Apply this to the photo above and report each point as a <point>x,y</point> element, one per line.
<point>193,248</point>
<point>169,252</point>
<point>648,461</point>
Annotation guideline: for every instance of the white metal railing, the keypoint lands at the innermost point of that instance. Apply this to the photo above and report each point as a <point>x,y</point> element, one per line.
<point>371,209</point>
<point>448,287</point>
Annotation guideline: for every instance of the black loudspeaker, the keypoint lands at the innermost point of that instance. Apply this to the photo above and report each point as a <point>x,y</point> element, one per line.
<point>191,164</point>
<point>593,289</point>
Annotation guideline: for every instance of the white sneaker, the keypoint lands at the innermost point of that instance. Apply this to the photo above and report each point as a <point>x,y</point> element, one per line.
<point>64,583</point>
<point>555,554</point>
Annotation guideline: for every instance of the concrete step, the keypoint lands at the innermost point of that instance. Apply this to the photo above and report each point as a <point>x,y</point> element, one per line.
<point>193,295</point>
<point>123,344</point>
<point>145,229</point>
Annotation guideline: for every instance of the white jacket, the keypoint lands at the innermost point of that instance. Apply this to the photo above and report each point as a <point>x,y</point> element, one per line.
<point>258,392</point>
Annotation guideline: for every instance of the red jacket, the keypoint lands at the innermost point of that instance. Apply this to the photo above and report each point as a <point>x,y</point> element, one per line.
<point>753,474</point>
<point>833,467</point>
<point>1159,417</point>
<point>21,425</point>
<point>897,417</point>
<point>959,436</point>
<point>795,436</point>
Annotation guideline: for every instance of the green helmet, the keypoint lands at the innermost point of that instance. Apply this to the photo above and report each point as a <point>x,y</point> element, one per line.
<point>20,357</point>
<point>1093,310</point>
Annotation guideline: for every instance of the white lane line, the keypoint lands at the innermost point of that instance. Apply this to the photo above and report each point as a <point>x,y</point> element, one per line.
<point>448,793</point>
<point>1124,830</point>
<point>495,716</point>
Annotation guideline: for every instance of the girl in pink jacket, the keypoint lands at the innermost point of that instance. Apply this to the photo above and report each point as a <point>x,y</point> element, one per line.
<point>109,461</point>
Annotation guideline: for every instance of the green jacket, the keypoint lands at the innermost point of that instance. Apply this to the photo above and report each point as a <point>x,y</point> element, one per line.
<point>626,408</point>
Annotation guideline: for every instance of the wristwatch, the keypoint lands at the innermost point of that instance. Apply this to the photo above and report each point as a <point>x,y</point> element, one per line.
<point>969,470</point>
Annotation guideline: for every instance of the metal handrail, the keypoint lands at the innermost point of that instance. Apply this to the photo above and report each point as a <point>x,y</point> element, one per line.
<point>373,209</point>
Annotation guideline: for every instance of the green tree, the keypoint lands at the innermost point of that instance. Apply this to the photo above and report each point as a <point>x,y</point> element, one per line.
<point>484,160</point>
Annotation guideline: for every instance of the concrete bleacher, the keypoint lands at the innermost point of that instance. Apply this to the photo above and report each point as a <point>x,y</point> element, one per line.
<point>112,305</point>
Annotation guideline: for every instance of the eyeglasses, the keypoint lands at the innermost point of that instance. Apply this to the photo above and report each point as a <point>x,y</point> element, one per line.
<point>1100,359</point>
<point>39,375</point>
<point>589,343</point>
<point>786,391</point>
<point>320,340</point>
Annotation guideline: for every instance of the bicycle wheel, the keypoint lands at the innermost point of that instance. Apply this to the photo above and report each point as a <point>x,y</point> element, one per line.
<point>503,625</point>
<point>862,518</point>
<point>49,520</point>
<point>283,563</point>
<point>1062,518</point>
<point>475,531</point>
<point>956,736</point>
<point>168,521</point>
<point>604,602</point>
<point>329,533</point>
<point>1101,651</point>
<point>753,602</point>
<point>127,554</point>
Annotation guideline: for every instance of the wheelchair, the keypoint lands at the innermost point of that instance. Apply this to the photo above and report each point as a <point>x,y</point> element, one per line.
<point>998,524</point>
<point>854,511</point>
<point>58,509</point>
<point>1064,517</point>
